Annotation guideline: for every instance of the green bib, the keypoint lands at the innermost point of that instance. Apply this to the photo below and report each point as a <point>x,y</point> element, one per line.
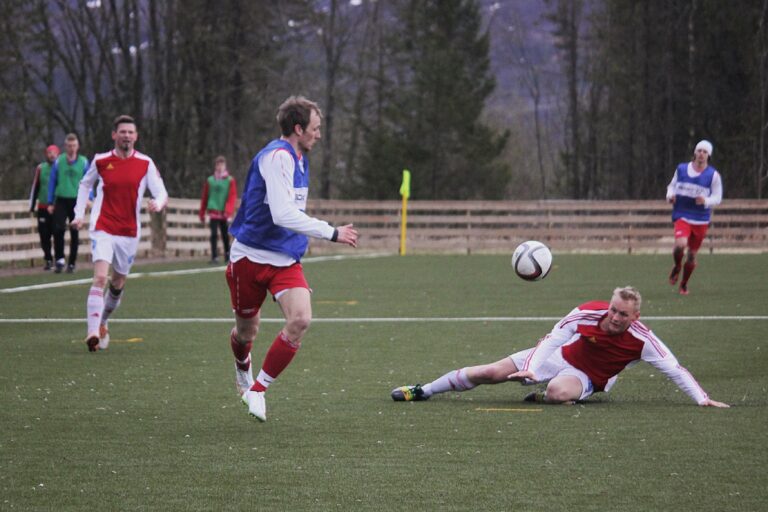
<point>45,174</point>
<point>68,176</point>
<point>218,192</point>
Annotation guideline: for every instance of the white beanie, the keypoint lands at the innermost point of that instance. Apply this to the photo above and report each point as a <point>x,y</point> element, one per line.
<point>705,145</point>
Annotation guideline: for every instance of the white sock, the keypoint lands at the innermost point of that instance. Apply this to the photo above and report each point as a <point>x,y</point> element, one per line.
<point>94,305</point>
<point>264,379</point>
<point>455,380</point>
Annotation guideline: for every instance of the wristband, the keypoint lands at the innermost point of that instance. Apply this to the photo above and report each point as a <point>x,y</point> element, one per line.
<point>335,235</point>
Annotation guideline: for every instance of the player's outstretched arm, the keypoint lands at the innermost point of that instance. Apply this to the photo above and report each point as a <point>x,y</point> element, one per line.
<point>713,403</point>
<point>347,234</point>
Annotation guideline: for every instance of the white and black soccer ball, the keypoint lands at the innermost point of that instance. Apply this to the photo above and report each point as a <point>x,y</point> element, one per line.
<point>532,260</point>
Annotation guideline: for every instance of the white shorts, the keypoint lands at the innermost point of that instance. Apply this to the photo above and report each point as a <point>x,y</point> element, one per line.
<point>120,251</point>
<point>555,366</point>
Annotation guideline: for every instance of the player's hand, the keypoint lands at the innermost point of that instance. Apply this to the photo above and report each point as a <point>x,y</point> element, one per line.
<point>76,223</point>
<point>700,200</point>
<point>347,235</point>
<point>714,403</point>
<point>522,376</point>
<point>671,199</point>
<point>154,207</point>
<point>50,209</point>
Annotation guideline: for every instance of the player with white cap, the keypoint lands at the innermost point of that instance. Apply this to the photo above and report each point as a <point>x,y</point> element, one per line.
<point>695,189</point>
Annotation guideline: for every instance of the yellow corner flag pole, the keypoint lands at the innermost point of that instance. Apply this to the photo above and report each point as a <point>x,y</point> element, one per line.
<point>405,191</point>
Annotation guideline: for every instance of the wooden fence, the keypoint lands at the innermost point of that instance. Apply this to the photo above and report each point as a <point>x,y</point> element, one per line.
<point>441,226</point>
<point>20,243</point>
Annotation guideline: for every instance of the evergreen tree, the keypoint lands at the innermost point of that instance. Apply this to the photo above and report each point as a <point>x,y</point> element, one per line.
<point>433,89</point>
<point>658,76</point>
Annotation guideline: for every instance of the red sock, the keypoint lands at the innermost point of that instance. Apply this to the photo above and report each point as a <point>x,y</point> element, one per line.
<point>278,357</point>
<point>687,271</point>
<point>677,254</point>
<point>240,351</point>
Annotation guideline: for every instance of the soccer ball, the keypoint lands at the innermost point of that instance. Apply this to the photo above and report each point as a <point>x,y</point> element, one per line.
<point>532,260</point>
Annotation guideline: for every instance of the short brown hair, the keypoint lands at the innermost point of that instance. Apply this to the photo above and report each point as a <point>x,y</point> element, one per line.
<point>295,110</point>
<point>123,118</point>
<point>221,159</point>
<point>71,137</point>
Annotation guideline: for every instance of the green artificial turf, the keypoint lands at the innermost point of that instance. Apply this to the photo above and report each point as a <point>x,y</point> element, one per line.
<point>154,423</point>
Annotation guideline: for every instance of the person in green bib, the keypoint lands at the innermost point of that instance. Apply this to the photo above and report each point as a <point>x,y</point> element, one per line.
<point>218,201</point>
<point>66,173</point>
<point>38,202</point>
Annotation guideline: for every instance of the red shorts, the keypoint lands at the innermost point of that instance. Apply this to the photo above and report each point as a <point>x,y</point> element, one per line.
<point>248,284</point>
<point>695,233</point>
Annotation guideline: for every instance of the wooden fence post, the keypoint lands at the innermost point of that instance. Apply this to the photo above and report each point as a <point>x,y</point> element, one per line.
<point>158,235</point>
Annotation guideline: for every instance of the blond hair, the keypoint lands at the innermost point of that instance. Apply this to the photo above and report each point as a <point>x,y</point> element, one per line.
<point>629,293</point>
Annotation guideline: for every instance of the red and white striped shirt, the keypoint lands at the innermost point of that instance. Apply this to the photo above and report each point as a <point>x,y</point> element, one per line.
<point>601,355</point>
<point>122,183</point>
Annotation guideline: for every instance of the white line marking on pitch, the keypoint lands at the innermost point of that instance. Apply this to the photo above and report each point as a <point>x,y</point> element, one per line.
<point>366,320</point>
<point>188,271</point>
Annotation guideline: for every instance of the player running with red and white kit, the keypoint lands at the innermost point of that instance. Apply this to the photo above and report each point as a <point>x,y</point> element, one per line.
<point>582,355</point>
<point>115,226</point>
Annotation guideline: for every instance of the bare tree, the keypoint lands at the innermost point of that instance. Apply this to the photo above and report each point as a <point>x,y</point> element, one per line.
<point>338,28</point>
<point>762,64</point>
<point>567,18</point>
<point>531,80</point>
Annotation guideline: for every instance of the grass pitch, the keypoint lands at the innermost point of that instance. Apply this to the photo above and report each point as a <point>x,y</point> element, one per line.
<point>154,423</point>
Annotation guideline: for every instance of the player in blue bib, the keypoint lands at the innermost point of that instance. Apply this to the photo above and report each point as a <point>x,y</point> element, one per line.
<point>695,189</point>
<point>271,230</point>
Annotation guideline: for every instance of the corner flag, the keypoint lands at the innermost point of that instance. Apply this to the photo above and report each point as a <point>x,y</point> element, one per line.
<point>405,191</point>
<point>405,188</point>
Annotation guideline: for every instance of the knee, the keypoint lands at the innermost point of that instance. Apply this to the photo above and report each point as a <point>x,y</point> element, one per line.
<point>298,324</point>
<point>118,282</point>
<point>246,333</point>
<point>99,281</point>
<point>557,393</point>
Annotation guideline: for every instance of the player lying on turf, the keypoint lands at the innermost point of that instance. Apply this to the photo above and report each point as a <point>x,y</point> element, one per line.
<point>582,355</point>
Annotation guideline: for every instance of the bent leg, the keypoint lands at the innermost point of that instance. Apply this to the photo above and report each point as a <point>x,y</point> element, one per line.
<point>563,389</point>
<point>698,233</point>
<point>297,310</point>
<point>296,306</point>
<point>682,232</point>
<point>677,255</point>
<point>114,296</point>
